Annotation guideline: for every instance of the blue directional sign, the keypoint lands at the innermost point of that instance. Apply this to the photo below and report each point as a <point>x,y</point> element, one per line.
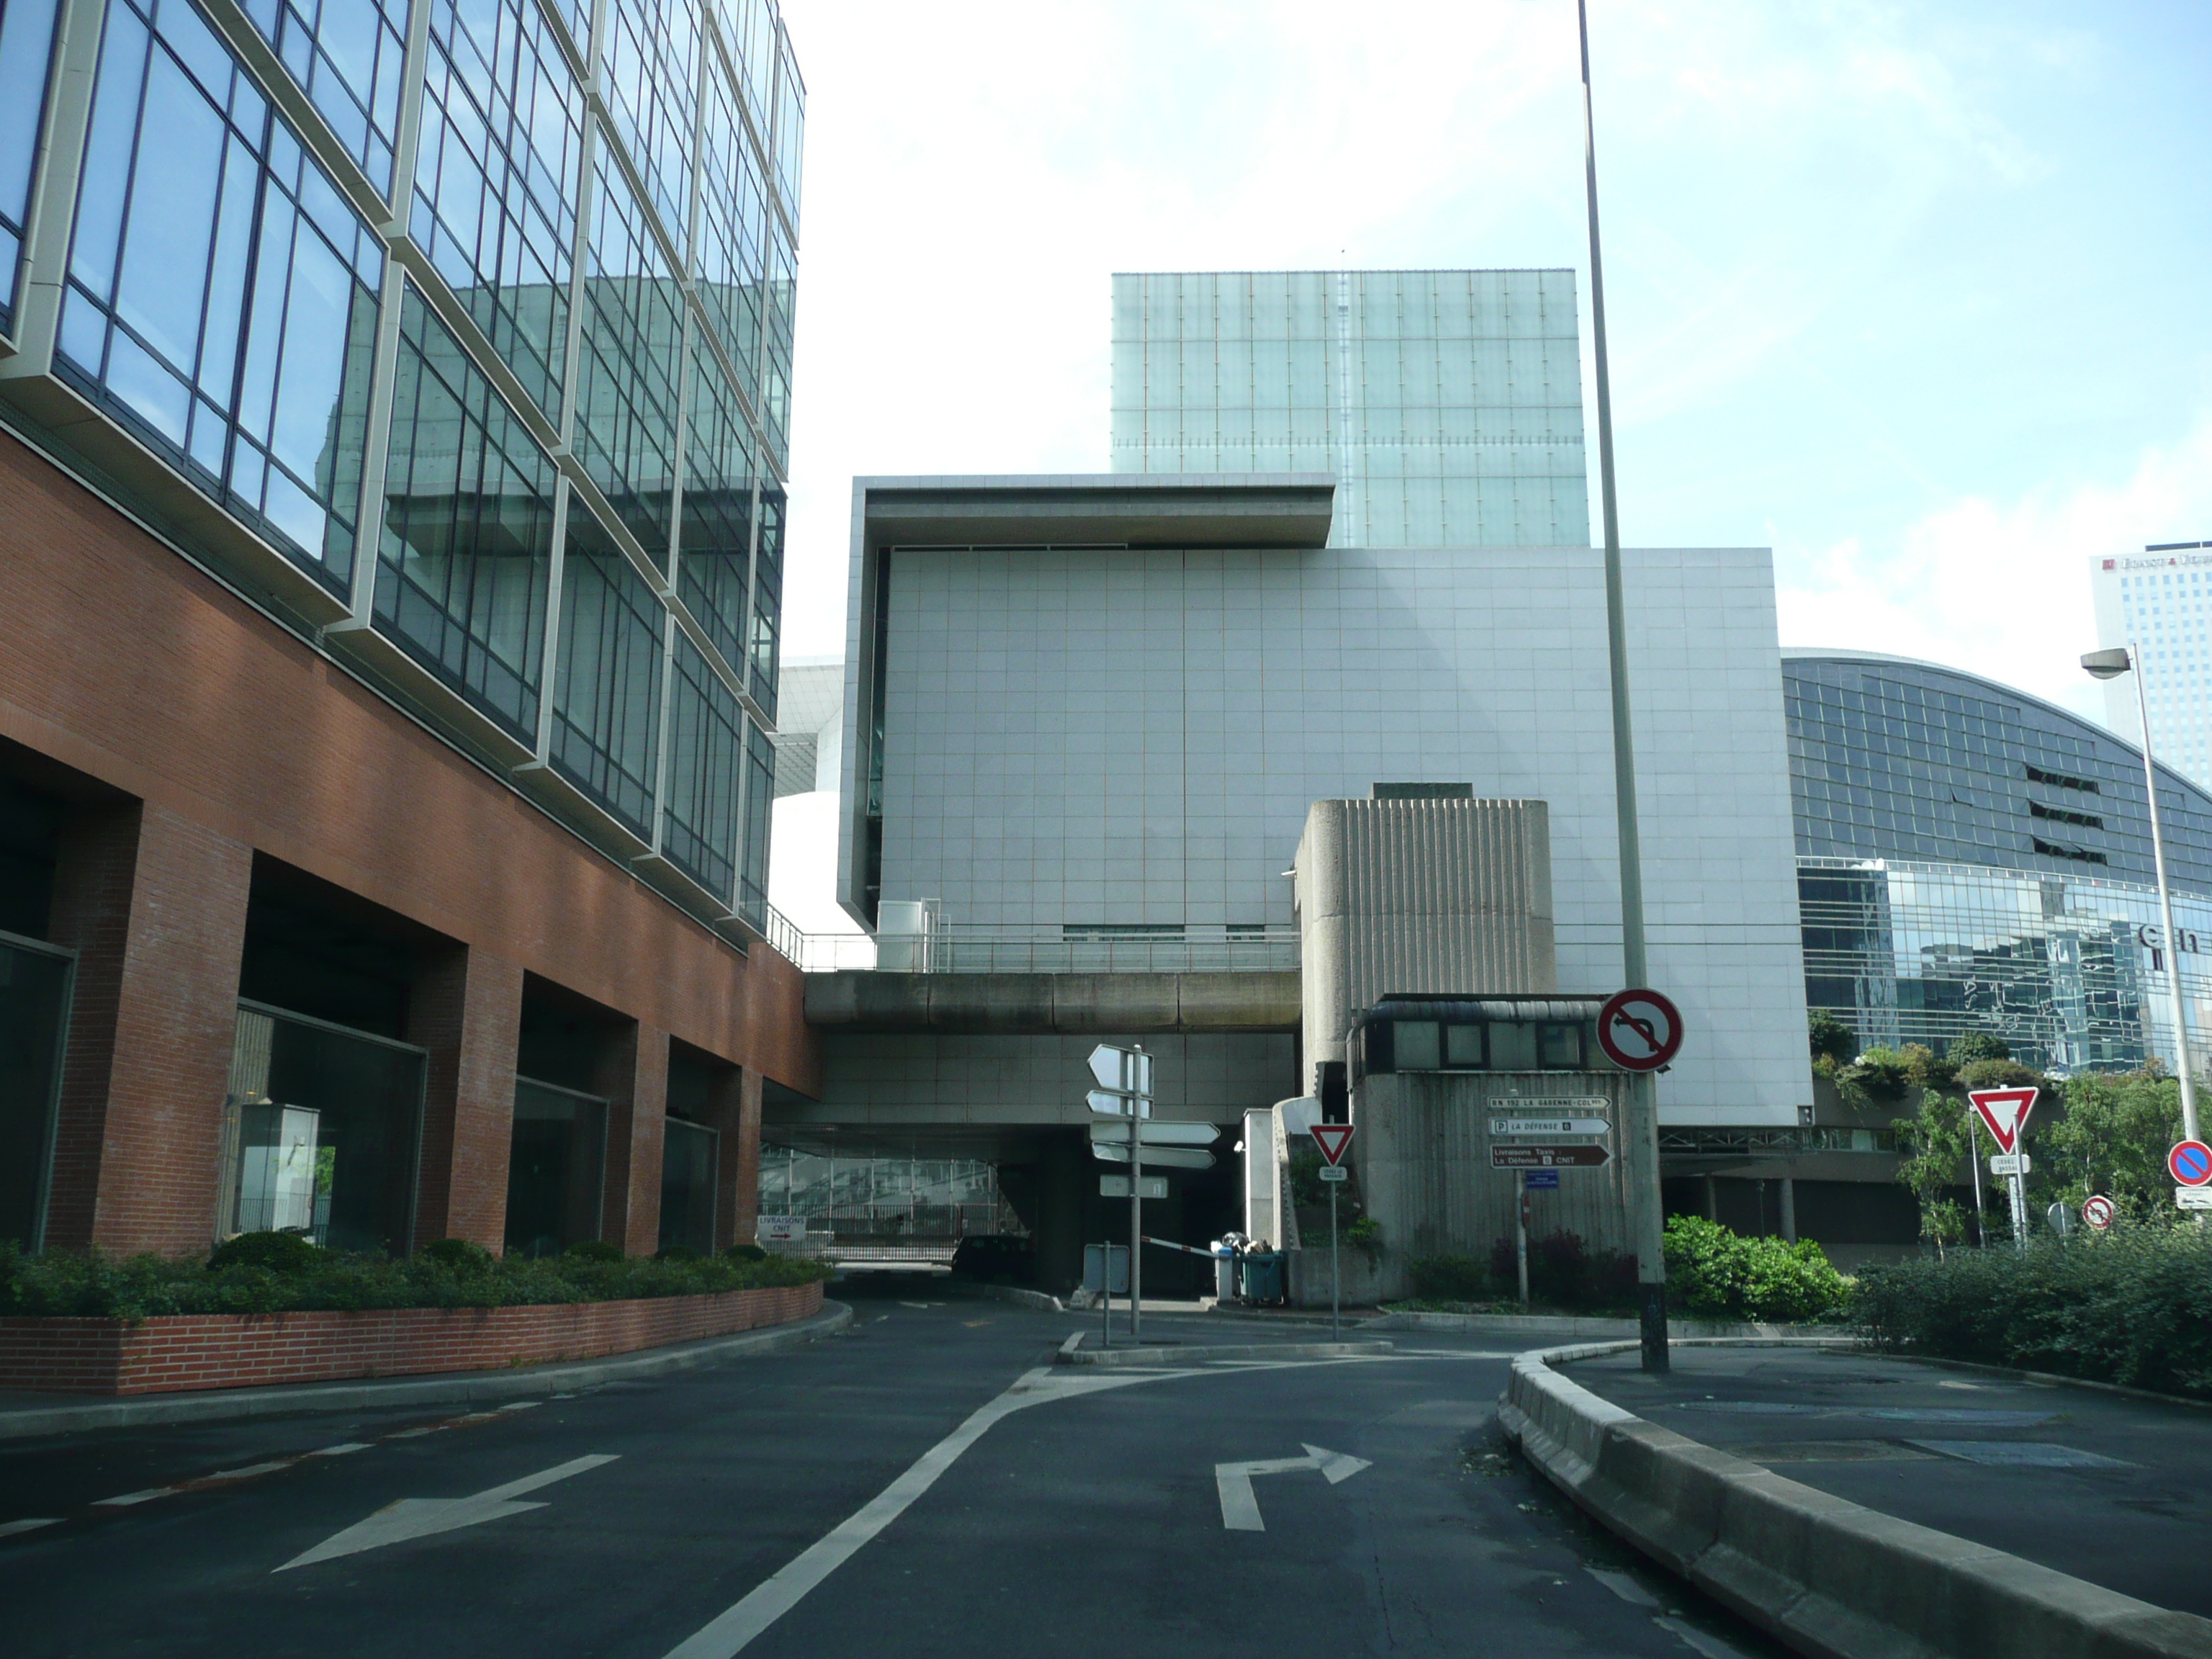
<point>1543,1180</point>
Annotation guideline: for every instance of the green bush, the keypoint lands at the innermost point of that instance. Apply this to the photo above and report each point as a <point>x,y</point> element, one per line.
<point>1448,1278</point>
<point>87,1283</point>
<point>744,1253</point>
<point>281,1253</point>
<point>1306,1186</point>
<point>1831,1040</point>
<point>1722,1275</point>
<point>463,1255</point>
<point>1563,1273</point>
<point>2133,1307</point>
<point>593,1250</point>
<point>677,1253</point>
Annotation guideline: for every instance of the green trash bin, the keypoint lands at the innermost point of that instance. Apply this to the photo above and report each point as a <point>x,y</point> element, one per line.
<point>1261,1275</point>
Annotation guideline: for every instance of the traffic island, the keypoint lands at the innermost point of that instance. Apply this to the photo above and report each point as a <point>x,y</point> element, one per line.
<point>1827,1576</point>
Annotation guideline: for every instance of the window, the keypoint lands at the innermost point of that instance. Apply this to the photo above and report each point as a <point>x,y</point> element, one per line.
<point>688,1160</point>
<point>1417,1047</point>
<point>700,832</point>
<point>625,429</point>
<point>1559,1045</point>
<point>606,712</point>
<point>1512,1046</point>
<point>767,597</point>
<point>716,560</point>
<point>2037,774</point>
<point>556,1169</point>
<point>651,51</point>
<point>34,1001</point>
<point>496,182</point>
<point>345,55</point>
<point>760,800</point>
<point>732,232</point>
<point>2055,850</point>
<point>26,40</point>
<point>465,563</point>
<point>222,297</point>
<point>2037,809</point>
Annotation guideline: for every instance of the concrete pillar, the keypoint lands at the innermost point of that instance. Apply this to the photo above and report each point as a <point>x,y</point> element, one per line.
<point>154,906</point>
<point>633,1075</point>
<point>466,1009</point>
<point>1790,1209</point>
<point>1066,1179</point>
<point>1713,1200</point>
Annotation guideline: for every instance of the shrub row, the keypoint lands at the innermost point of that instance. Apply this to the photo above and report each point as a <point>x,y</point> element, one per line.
<point>1722,1275</point>
<point>252,1277</point>
<point>2132,1307</point>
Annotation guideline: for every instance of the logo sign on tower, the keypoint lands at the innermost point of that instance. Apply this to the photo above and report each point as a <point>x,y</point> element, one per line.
<point>1333,1138</point>
<point>1639,1030</point>
<point>2003,1111</point>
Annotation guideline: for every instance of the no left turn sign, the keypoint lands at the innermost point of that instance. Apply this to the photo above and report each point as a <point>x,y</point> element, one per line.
<point>2096,1210</point>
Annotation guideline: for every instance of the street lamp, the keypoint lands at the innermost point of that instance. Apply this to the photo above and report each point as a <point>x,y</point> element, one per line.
<point>2110,665</point>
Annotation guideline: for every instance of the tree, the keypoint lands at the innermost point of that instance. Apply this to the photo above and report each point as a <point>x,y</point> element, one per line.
<point>1934,1142</point>
<point>1977,1045</point>
<point>1831,1037</point>
<point>2113,1139</point>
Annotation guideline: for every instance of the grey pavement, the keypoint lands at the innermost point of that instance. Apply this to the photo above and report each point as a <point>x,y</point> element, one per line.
<point>926,1483</point>
<point>2108,1488</point>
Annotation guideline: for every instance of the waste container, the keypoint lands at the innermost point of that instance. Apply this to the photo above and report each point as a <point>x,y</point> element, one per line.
<point>1224,1270</point>
<point>1262,1273</point>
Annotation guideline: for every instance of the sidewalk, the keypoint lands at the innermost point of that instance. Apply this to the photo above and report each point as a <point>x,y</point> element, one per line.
<point>2111,1489</point>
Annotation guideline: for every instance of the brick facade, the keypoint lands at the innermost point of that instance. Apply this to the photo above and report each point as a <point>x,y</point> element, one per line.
<point>191,1352</point>
<point>633,1075</point>
<point>220,737</point>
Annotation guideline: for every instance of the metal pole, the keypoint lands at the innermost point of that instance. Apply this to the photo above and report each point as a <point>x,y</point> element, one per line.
<point>1335,1271</point>
<point>2180,1008</point>
<point>1521,1233</point>
<point>1136,1225</point>
<point>1642,1134</point>
<point>2019,1211</point>
<point>1974,1163</point>
<point>1106,1292</point>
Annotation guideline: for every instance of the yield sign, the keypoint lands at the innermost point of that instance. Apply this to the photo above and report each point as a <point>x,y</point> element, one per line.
<point>2004,1111</point>
<point>1333,1139</point>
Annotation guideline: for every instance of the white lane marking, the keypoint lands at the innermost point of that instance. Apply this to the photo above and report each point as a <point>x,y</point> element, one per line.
<point>1624,1587</point>
<point>131,1498</point>
<point>1691,1636</point>
<point>10,1528</point>
<point>249,1471</point>
<point>343,1449</point>
<point>729,1633</point>
<point>1240,1508</point>
<point>523,1405</point>
<point>420,1517</point>
<point>1073,1343</point>
<point>415,1434</point>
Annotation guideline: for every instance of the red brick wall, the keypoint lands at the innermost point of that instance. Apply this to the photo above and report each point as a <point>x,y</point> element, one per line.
<point>633,1075</point>
<point>466,1009</point>
<point>154,905</point>
<point>119,660</point>
<point>224,1351</point>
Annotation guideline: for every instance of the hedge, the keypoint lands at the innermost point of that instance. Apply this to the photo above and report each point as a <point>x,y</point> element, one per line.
<point>1724,1275</point>
<point>87,1283</point>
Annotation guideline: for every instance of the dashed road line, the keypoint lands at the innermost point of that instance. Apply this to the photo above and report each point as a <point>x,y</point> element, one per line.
<point>130,1497</point>
<point>10,1528</point>
<point>1624,1587</point>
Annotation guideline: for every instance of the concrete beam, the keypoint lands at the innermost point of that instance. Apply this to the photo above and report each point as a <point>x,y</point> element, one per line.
<point>1069,1004</point>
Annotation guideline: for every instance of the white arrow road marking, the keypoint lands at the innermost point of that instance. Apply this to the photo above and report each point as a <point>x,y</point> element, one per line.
<point>1240,1507</point>
<point>419,1518</point>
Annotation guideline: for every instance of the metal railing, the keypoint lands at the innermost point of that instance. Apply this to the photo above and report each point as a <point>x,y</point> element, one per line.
<point>952,948</point>
<point>1712,1143</point>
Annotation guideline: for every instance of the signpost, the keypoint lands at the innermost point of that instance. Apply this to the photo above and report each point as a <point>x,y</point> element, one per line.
<point>2097,1210</point>
<point>1124,1077</point>
<point>2004,1111</point>
<point>1568,1127</point>
<point>2193,1198</point>
<point>1335,1140</point>
<point>781,1230</point>
<point>2060,1219</point>
<point>1639,1030</point>
<point>1540,1181</point>
<point>2189,1164</point>
<point>1158,1134</point>
<point>1582,1157</point>
<point>1118,1187</point>
<point>1166,1158</point>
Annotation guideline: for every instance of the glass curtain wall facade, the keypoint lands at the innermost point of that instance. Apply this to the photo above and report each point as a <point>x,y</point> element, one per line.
<point>2160,601</point>
<point>1447,403</point>
<point>506,379</point>
<point>1971,858</point>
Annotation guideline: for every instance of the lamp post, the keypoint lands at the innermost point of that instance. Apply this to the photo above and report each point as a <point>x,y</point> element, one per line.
<point>2110,665</point>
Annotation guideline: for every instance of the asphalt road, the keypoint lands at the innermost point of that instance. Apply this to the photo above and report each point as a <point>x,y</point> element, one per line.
<point>2107,1488</point>
<point>927,1484</point>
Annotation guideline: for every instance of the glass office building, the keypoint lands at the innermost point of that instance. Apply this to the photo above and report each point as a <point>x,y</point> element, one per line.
<point>480,322</point>
<point>1972,858</point>
<point>1448,404</point>
<point>2160,602</point>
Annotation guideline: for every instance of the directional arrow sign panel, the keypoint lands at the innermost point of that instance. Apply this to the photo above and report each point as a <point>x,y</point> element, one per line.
<point>2004,1111</point>
<point>1108,1105</point>
<point>1548,1157</point>
<point>1156,1157</point>
<point>1156,1134</point>
<point>1550,1126</point>
<point>1124,1071</point>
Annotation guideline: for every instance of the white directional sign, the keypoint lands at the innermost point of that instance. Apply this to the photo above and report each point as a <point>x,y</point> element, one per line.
<point>1551,1126</point>
<point>1334,1172</point>
<point>1110,1105</point>
<point>1118,1187</point>
<point>1240,1507</point>
<point>1122,1070</point>
<point>1156,1157</point>
<point>419,1518</point>
<point>1157,1133</point>
<point>2193,1198</point>
<point>2009,1163</point>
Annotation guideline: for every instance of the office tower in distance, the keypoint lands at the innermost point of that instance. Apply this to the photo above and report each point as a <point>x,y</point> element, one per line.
<point>393,404</point>
<point>2161,601</point>
<point>1447,404</point>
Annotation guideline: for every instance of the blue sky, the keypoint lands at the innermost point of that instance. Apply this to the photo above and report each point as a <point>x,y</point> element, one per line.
<point>1919,296</point>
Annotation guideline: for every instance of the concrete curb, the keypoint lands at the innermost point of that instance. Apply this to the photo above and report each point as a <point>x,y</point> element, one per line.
<point>1827,1577</point>
<point>1020,1295</point>
<point>1574,1325</point>
<point>2054,1379</point>
<point>1110,1358</point>
<point>227,1404</point>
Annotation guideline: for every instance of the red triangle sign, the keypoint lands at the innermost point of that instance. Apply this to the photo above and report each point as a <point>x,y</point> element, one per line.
<point>2004,1111</point>
<point>1333,1139</point>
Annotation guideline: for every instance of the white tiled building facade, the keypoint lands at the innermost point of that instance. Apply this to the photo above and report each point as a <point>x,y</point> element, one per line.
<point>2160,601</point>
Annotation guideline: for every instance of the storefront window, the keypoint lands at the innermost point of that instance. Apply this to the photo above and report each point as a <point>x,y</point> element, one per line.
<point>687,1186</point>
<point>320,1133</point>
<point>33,1013</point>
<point>555,1174</point>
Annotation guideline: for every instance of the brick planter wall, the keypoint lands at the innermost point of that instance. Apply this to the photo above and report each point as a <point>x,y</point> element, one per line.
<point>230,1351</point>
